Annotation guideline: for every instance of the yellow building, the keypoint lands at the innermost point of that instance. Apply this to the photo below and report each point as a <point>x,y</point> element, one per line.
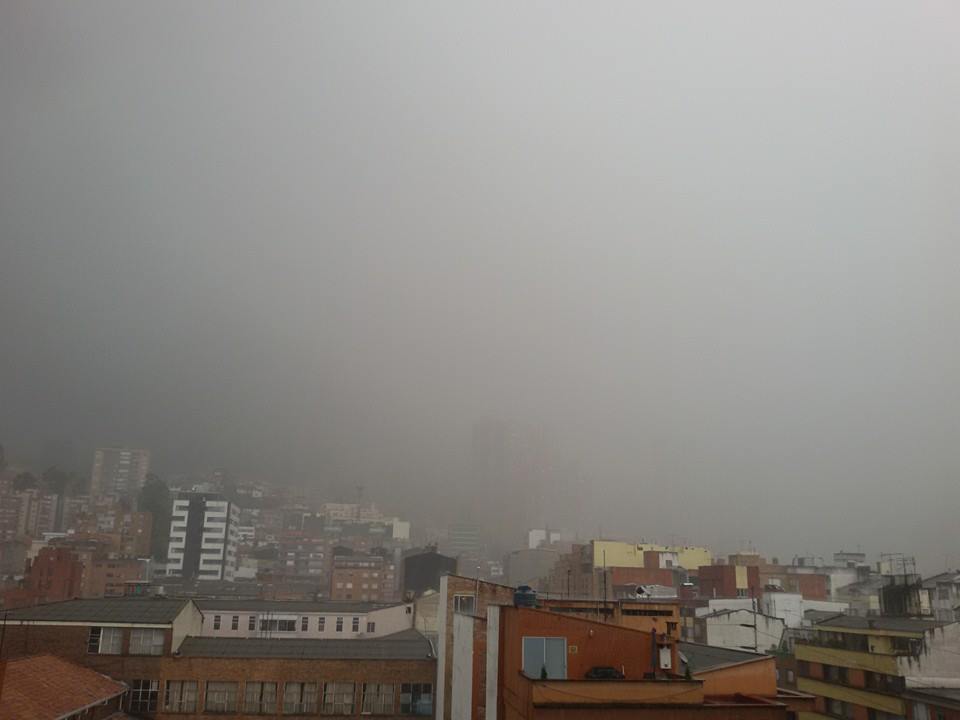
<point>613,553</point>
<point>859,666</point>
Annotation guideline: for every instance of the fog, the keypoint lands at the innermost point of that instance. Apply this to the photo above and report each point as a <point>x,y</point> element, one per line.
<point>693,267</point>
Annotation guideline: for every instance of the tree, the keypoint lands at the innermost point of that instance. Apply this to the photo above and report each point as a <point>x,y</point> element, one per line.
<point>55,480</point>
<point>25,481</point>
<point>155,499</point>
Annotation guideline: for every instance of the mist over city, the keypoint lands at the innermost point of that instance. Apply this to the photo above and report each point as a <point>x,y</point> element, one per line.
<point>675,275</point>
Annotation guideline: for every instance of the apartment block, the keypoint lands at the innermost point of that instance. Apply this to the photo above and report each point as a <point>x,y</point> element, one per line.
<point>203,537</point>
<point>118,470</point>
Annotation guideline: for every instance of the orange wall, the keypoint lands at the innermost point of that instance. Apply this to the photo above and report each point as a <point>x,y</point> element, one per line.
<point>595,643</point>
<point>758,677</point>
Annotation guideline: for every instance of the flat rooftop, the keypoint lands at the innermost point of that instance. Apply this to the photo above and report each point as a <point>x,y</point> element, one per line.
<point>404,645</point>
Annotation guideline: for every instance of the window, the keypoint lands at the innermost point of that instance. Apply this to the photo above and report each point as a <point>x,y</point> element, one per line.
<point>252,623</point>
<point>839,709</point>
<point>791,676</point>
<point>355,625</point>
<point>803,667</point>
<point>741,592</point>
<point>235,622</point>
<point>143,696</point>
<point>105,641</point>
<point>339,624</point>
<point>260,698</point>
<point>146,641</point>
<point>943,592</point>
<point>304,623</point>
<point>377,699</point>
<point>465,604</point>
<point>416,699</point>
<point>338,698</point>
<point>278,625</point>
<point>299,698</point>
<point>216,622</point>
<point>321,623</point>
<point>545,657</point>
<point>371,626</point>
<point>180,696</point>
<point>221,697</point>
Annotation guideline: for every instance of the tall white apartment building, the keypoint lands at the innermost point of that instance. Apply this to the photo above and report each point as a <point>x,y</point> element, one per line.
<point>119,470</point>
<point>204,533</point>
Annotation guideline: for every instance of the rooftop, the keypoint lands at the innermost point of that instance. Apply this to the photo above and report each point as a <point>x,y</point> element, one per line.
<point>290,606</point>
<point>142,610</point>
<point>934,695</point>
<point>946,577</point>
<point>44,687</point>
<point>700,658</point>
<point>404,645</point>
<point>893,624</point>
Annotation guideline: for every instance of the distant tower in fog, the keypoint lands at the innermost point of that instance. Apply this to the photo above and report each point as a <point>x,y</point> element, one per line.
<point>119,470</point>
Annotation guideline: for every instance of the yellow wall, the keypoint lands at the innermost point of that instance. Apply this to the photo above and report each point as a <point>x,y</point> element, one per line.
<point>610,553</point>
<point>622,554</point>
<point>886,703</point>
<point>886,664</point>
<point>741,573</point>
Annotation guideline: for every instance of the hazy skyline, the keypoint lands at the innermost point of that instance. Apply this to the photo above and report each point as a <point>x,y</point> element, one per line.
<point>708,250</point>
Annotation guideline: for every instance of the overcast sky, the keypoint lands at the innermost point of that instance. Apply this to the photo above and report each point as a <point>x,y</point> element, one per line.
<point>705,254</point>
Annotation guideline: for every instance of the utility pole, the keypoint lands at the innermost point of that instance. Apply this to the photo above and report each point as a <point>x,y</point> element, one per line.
<point>755,623</point>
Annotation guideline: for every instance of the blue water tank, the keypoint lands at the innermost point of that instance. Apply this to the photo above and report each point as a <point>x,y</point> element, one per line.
<point>525,596</point>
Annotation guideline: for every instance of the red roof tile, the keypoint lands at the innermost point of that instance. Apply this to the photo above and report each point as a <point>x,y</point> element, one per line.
<point>44,687</point>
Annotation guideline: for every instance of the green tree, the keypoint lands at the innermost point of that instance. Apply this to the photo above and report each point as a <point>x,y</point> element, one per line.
<point>25,481</point>
<point>55,480</point>
<point>155,499</point>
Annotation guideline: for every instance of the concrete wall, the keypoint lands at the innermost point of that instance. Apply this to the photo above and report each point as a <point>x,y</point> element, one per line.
<point>462,684</point>
<point>188,623</point>
<point>939,664</point>
<point>730,630</point>
<point>450,586</point>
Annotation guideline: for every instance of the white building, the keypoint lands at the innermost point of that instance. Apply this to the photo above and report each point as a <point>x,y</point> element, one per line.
<point>118,470</point>
<point>788,607</point>
<point>203,537</point>
<point>289,619</point>
<point>739,629</point>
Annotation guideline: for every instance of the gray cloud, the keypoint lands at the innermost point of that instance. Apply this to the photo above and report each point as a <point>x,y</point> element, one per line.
<point>698,258</point>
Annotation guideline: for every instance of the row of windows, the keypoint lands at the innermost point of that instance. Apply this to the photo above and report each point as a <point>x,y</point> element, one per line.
<point>297,698</point>
<point>275,625</point>
<point>880,682</point>
<point>109,641</point>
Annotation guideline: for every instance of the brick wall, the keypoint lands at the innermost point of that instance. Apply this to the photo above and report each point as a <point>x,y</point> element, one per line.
<point>281,670</point>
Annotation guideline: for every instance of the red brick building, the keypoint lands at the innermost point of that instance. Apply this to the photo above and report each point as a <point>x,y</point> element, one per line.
<point>729,581</point>
<point>152,645</point>
<point>537,664</point>
<point>367,578</point>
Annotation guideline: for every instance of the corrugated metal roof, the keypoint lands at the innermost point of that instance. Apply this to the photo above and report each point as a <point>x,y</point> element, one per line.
<point>404,645</point>
<point>148,611</point>
<point>290,606</point>
<point>705,657</point>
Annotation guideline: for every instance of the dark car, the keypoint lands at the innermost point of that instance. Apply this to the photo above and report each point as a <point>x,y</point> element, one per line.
<point>604,673</point>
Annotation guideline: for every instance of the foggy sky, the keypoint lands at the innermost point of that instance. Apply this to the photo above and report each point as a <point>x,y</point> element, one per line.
<point>707,253</point>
